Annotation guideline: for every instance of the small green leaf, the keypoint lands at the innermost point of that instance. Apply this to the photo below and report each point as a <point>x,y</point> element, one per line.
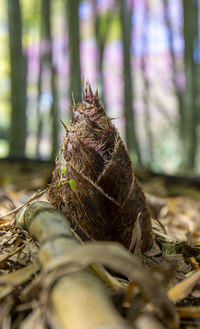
<point>63,170</point>
<point>72,184</point>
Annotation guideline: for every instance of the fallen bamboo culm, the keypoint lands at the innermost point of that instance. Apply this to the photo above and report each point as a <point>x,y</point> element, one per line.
<point>78,299</point>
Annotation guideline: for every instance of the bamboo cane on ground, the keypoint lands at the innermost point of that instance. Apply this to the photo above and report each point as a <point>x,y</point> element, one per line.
<point>78,300</point>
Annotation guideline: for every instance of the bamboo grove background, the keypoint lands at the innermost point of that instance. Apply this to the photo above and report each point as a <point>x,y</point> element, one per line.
<point>142,55</point>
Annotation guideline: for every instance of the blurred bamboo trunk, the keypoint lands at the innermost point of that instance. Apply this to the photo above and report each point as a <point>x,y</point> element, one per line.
<point>102,23</point>
<point>18,75</point>
<point>176,64</point>
<point>39,115</point>
<point>39,85</point>
<point>149,152</point>
<point>191,105</point>
<point>72,7</point>
<point>126,30</point>
<point>47,60</point>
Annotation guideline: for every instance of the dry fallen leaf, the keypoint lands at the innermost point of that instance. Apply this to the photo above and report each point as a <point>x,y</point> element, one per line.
<point>181,216</point>
<point>6,255</point>
<point>189,312</point>
<point>20,276</point>
<point>184,288</point>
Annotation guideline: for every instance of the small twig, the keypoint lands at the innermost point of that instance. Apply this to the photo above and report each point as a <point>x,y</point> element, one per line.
<point>161,225</point>
<point>164,236</point>
<point>6,255</point>
<point>34,197</point>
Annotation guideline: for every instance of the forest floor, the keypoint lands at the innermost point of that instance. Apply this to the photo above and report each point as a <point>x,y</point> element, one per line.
<point>176,211</point>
